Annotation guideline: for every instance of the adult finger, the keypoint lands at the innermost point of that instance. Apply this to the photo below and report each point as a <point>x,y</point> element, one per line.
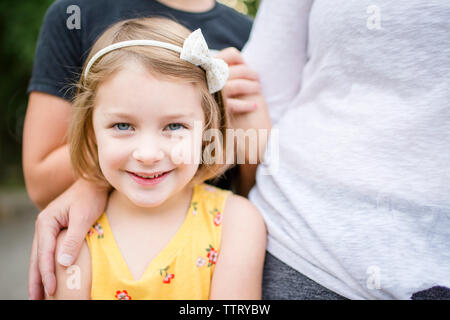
<point>47,229</point>
<point>80,223</point>
<point>242,71</point>
<point>35,287</point>
<point>231,56</point>
<point>241,87</point>
<point>240,106</point>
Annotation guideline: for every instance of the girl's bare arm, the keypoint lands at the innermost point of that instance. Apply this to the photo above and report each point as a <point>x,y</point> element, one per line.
<point>238,271</point>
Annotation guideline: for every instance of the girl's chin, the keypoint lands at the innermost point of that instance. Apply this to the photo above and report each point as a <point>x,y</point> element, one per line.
<point>147,198</point>
<point>146,203</point>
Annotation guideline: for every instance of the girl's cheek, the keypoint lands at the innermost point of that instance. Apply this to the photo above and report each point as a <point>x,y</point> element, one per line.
<point>112,153</point>
<point>185,149</point>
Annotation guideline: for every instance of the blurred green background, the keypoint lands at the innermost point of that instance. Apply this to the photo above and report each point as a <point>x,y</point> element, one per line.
<point>20,22</point>
<point>19,27</point>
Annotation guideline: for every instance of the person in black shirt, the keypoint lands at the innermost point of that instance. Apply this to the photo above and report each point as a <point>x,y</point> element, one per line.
<point>66,38</point>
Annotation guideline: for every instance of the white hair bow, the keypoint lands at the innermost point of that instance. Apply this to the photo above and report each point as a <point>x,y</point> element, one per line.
<point>195,50</point>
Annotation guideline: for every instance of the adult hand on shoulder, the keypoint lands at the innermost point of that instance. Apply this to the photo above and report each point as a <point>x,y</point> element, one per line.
<point>242,82</point>
<point>76,209</point>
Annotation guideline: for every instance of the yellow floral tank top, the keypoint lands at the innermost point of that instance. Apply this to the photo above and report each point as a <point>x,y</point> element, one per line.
<point>183,270</point>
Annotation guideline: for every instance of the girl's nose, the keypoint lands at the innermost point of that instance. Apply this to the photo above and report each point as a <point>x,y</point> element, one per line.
<point>148,154</point>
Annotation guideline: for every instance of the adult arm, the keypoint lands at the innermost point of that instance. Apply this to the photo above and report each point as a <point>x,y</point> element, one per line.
<point>277,50</point>
<point>46,163</point>
<point>259,122</point>
<point>48,174</point>
<point>248,110</point>
<point>45,152</point>
<point>46,159</point>
<point>238,271</point>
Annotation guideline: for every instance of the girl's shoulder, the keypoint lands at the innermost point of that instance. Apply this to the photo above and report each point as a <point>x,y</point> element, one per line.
<point>234,209</point>
<point>209,198</point>
<point>208,190</point>
<point>233,205</point>
<point>239,210</point>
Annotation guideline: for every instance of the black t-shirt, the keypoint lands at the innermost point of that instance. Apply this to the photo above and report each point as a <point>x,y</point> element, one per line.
<point>63,47</point>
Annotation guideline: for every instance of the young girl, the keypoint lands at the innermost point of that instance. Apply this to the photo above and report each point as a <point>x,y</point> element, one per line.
<point>147,85</point>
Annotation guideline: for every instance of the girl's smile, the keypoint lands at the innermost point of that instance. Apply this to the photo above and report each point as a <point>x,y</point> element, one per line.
<point>145,179</point>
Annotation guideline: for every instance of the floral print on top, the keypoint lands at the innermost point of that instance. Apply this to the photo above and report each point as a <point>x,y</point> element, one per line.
<point>167,276</point>
<point>96,228</point>
<point>217,216</point>
<point>190,256</point>
<point>194,208</point>
<point>122,295</point>
<point>212,255</point>
<point>200,262</point>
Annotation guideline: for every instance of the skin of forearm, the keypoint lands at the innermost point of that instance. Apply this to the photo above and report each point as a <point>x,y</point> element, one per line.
<point>247,178</point>
<point>51,177</point>
<point>258,119</point>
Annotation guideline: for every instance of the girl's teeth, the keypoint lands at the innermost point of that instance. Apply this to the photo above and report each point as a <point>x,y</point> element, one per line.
<point>150,177</point>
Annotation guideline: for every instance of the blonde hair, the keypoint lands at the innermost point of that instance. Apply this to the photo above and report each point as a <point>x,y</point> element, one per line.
<point>161,63</point>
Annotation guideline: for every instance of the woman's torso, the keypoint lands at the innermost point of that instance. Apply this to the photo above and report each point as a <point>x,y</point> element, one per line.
<point>360,202</point>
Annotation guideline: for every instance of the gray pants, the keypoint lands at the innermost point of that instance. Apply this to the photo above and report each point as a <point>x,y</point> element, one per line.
<point>281,282</point>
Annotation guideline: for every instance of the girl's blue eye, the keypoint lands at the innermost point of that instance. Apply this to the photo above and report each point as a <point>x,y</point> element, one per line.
<point>122,126</point>
<point>175,126</point>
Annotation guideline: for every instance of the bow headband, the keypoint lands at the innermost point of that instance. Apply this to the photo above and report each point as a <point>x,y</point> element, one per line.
<point>195,50</point>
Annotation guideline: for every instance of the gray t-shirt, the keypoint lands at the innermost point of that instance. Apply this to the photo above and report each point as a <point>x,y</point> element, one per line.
<point>359,92</point>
